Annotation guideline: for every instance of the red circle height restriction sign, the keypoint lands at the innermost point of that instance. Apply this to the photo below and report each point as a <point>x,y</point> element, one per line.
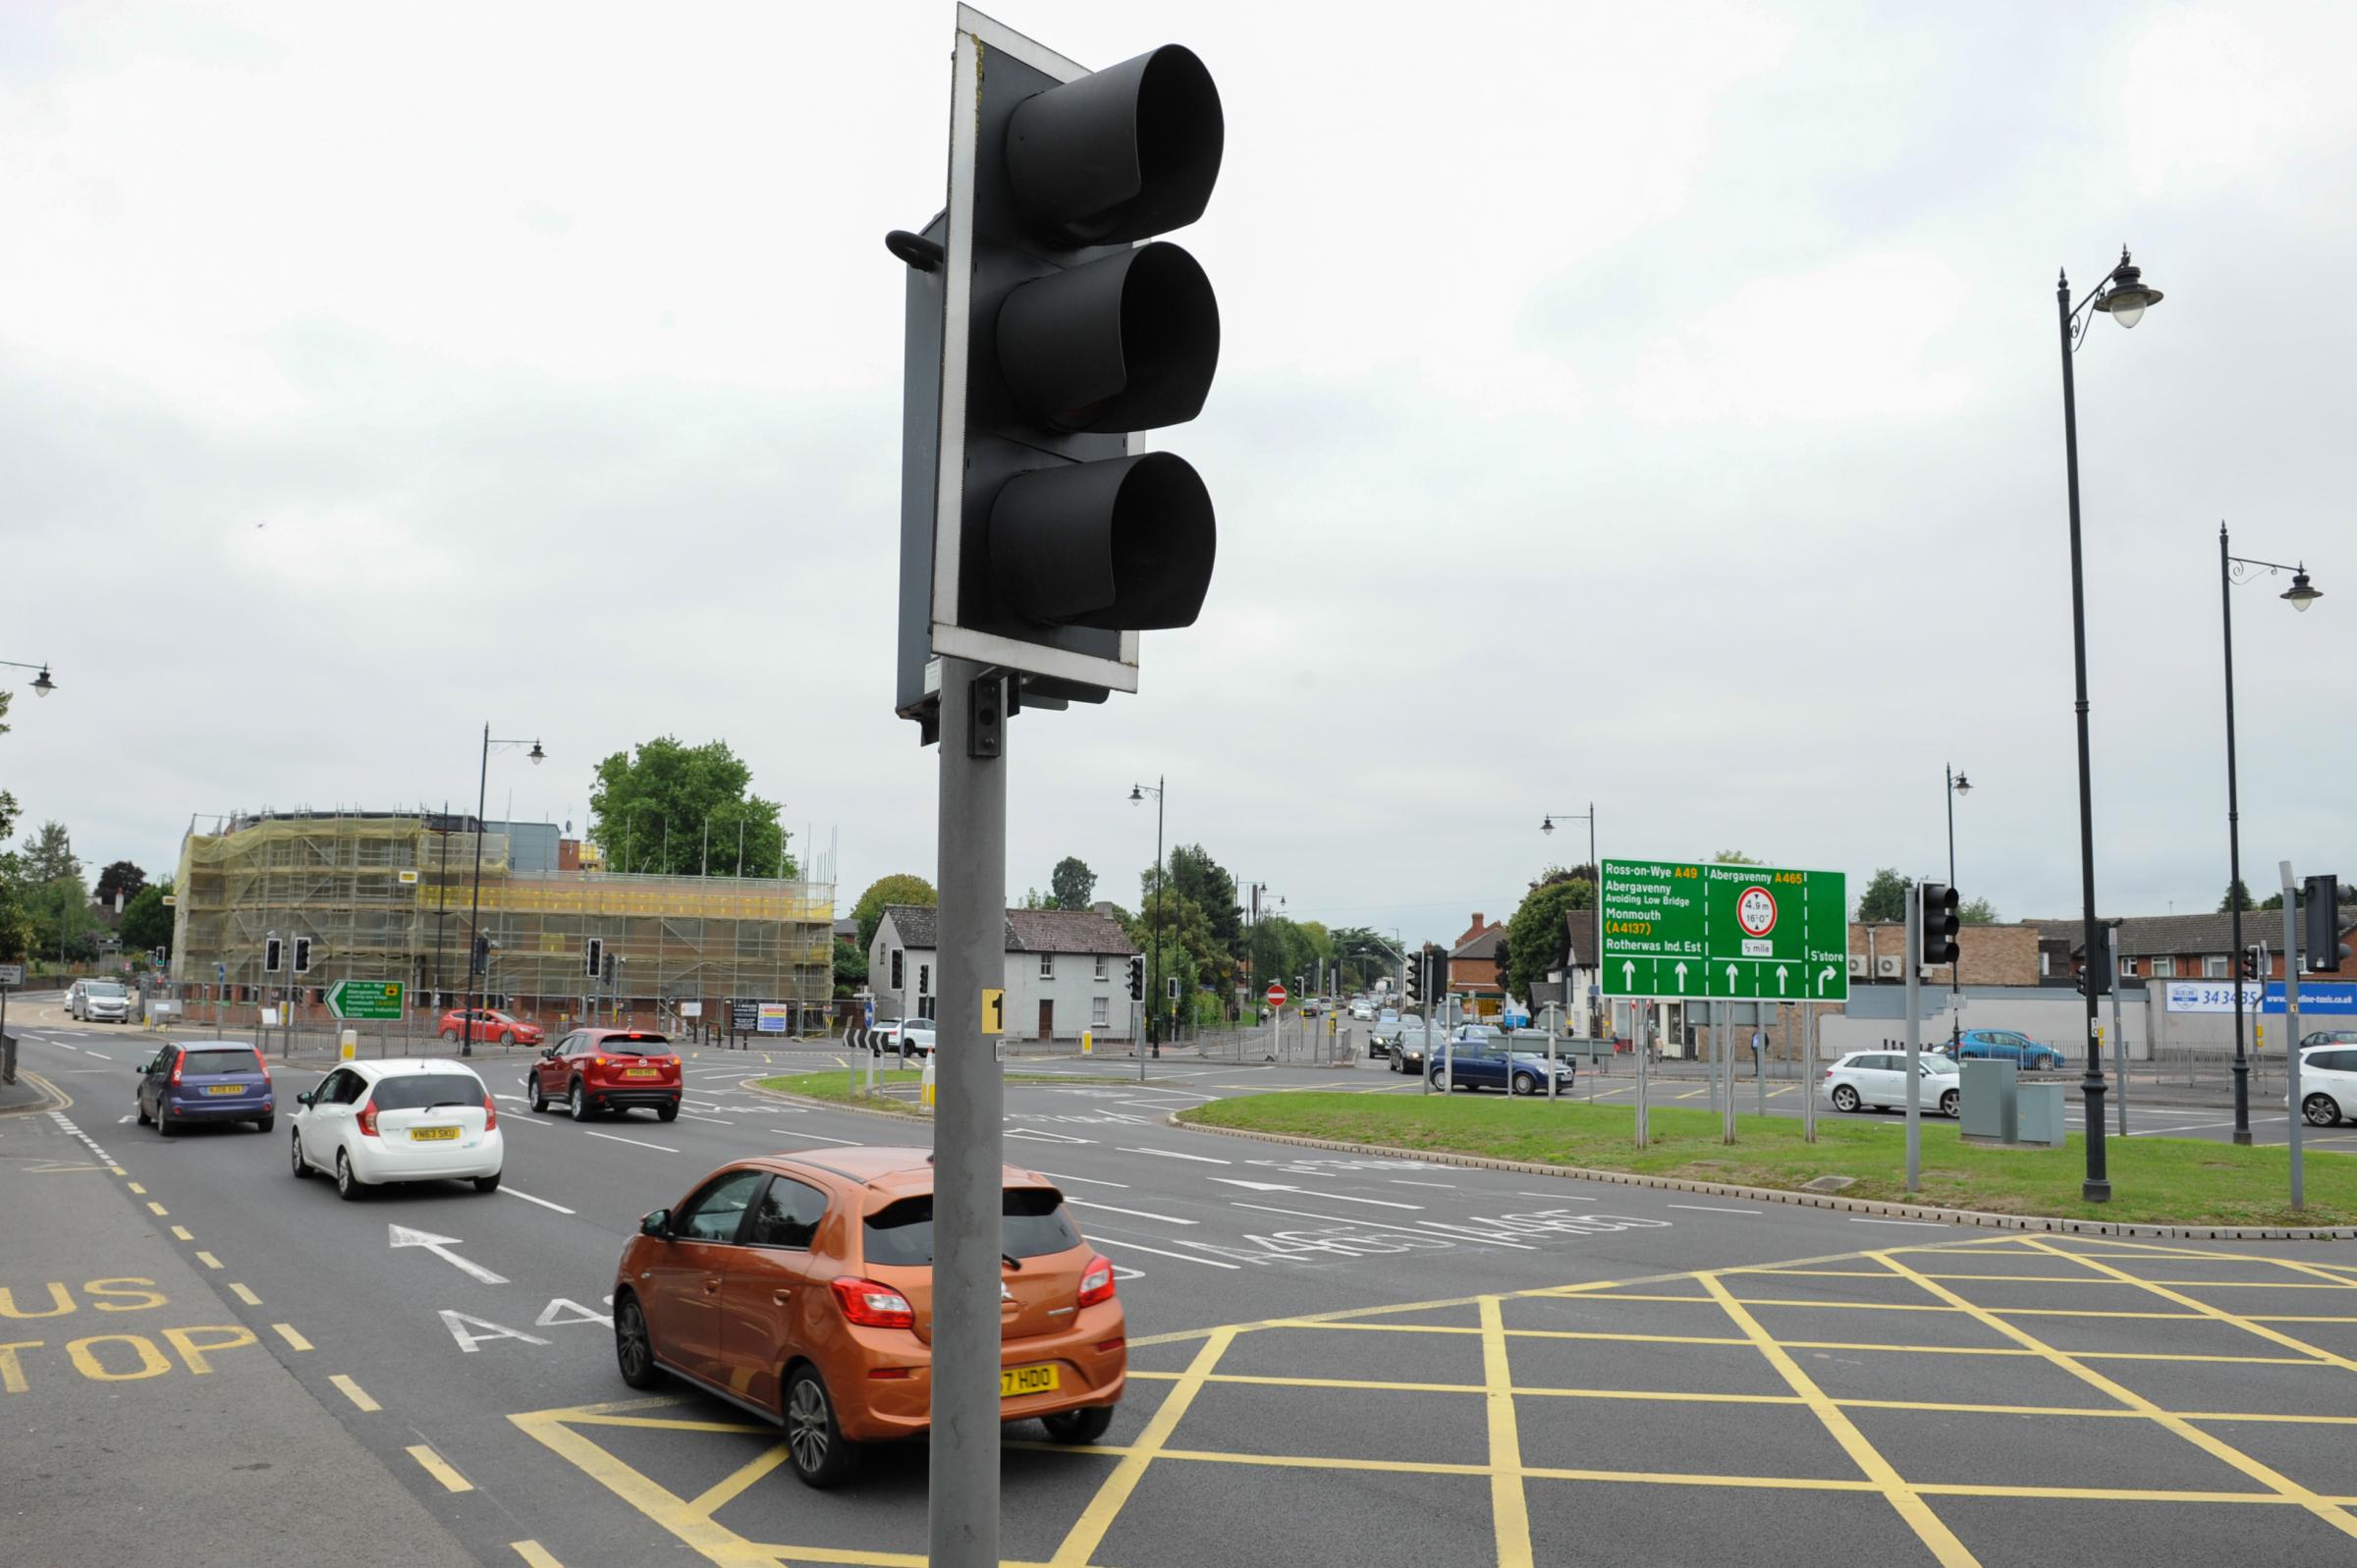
<point>1277,994</point>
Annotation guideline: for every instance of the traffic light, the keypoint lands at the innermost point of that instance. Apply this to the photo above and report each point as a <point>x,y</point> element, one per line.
<point>1940,923</point>
<point>595,963</point>
<point>609,975</point>
<point>270,955</point>
<point>481,961</point>
<point>1137,977</point>
<point>2249,962</point>
<point>1040,337</point>
<point>2320,908</point>
<point>302,955</point>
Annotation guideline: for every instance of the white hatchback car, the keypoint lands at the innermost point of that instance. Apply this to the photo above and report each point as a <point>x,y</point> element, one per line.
<point>424,1119</point>
<point>1877,1079</point>
<point>2328,1084</point>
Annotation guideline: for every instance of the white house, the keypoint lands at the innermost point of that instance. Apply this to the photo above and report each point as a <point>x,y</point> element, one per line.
<point>1067,970</point>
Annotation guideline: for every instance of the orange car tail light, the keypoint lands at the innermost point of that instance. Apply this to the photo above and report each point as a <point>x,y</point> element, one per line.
<point>490,1114</point>
<point>366,1120</point>
<point>874,1306</point>
<point>1096,1281</point>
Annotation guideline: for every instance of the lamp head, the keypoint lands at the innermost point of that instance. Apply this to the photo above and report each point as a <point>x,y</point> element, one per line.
<point>2128,297</point>
<point>2301,593</point>
<point>43,685</point>
<point>536,755</point>
<point>1547,824</point>
<point>1136,796</point>
<point>1963,785</point>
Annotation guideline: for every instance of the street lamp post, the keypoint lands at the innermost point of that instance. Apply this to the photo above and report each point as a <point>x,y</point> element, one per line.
<point>474,918</point>
<point>43,685</point>
<point>1138,795</point>
<point>1958,784</point>
<point>2231,570</point>
<point>1596,894</point>
<point>2124,296</point>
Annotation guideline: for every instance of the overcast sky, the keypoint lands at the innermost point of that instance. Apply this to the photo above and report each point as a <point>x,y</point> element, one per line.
<point>1616,403</point>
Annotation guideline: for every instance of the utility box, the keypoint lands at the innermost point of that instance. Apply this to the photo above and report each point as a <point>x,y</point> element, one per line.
<point>2038,1112</point>
<point>1988,1091</point>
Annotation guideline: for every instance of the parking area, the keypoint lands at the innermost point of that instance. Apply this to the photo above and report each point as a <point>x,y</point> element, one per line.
<point>2012,1399</point>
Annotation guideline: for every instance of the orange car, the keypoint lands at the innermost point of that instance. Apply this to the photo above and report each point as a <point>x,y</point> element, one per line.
<point>799,1286</point>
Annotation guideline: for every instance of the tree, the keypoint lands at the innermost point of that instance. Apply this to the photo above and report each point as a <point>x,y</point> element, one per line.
<point>2237,897</point>
<point>1884,901</point>
<point>851,967</point>
<point>1197,876</point>
<point>656,810</point>
<point>2273,900</point>
<point>146,923</point>
<point>1538,937</point>
<point>1733,857</point>
<point>122,876</point>
<point>50,856</point>
<point>1977,912</point>
<point>15,922</point>
<point>901,887</point>
<point>8,802</point>
<point>1033,899</point>
<point>1073,882</point>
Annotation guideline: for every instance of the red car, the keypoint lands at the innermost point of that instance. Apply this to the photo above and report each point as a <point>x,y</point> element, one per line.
<point>592,1070</point>
<point>491,1025</point>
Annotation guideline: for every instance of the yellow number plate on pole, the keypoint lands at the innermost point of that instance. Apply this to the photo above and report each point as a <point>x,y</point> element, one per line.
<point>994,1010</point>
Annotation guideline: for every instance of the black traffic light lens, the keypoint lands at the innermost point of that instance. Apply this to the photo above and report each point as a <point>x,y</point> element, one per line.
<point>1129,343</point>
<point>1125,544</point>
<point>1128,151</point>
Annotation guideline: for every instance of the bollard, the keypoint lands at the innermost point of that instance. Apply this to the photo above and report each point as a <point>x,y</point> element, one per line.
<point>926,1089</point>
<point>348,1045</point>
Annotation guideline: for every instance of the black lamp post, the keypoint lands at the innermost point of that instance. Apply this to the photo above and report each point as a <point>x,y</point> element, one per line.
<point>1596,894</point>
<point>474,918</point>
<point>1958,784</point>
<point>2123,297</point>
<point>43,685</point>
<point>2231,570</point>
<point>1138,795</point>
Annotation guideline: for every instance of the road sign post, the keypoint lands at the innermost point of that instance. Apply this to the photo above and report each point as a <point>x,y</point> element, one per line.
<point>377,999</point>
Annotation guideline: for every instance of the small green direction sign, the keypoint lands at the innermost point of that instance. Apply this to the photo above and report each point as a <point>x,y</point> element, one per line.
<point>1700,929</point>
<point>364,998</point>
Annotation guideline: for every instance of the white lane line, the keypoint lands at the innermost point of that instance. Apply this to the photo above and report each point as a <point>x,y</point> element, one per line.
<point>1414,1227</point>
<point>612,1137</point>
<point>820,1136</point>
<point>1100,1239</point>
<point>717,1121</point>
<point>1172,1154</point>
<point>1134,1213</point>
<point>100,1055</point>
<point>513,1100</point>
<point>1713,1208</point>
<point>1401,1182</point>
<point>1931,1224</point>
<point>62,1046</point>
<point>1093,1182</point>
<point>528,1197</point>
<point>1321,1195</point>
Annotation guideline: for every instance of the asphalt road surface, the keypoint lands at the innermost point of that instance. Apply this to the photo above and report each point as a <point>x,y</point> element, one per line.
<point>1336,1359</point>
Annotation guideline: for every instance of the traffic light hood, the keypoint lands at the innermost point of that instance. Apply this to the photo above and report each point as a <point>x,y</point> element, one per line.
<point>1129,343</point>
<point>1122,153</point>
<point>1125,543</point>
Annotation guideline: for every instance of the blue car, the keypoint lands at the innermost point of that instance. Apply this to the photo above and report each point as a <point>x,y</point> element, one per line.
<point>1488,1064</point>
<point>2006,1045</point>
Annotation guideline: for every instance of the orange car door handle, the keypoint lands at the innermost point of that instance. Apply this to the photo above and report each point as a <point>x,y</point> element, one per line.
<point>782,1296</point>
<point>711,1283</point>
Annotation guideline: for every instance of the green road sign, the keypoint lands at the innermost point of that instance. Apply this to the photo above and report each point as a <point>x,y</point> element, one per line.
<point>364,998</point>
<point>1687,929</point>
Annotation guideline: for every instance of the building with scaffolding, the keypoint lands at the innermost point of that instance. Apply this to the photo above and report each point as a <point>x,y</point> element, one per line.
<point>389,896</point>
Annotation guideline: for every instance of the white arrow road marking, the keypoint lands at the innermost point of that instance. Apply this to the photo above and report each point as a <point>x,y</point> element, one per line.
<point>549,1317</point>
<point>1681,977</point>
<point>439,1245</point>
<point>1323,1196</point>
<point>1102,1240</point>
<point>468,1341</point>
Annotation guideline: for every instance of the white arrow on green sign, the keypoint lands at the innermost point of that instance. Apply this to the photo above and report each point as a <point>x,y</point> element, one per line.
<point>364,998</point>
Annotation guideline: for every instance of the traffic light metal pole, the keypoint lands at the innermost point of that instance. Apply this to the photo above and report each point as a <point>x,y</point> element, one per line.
<point>962,1472</point>
<point>1956,967</point>
<point>2097,1187</point>
<point>2292,1027</point>
<point>1915,919</point>
<point>2242,1062</point>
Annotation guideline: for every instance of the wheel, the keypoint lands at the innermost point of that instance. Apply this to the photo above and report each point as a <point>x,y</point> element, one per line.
<point>163,1128</point>
<point>667,1112</point>
<point>347,1185</point>
<point>1845,1097</point>
<point>578,1103</point>
<point>815,1444</point>
<point>1525,1084</point>
<point>264,1123</point>
<point>1951,1105</point>
<point>140,1106</point>
<point>507,1037</point>
<point>303,1166</point>
<point>2321,1111</point>
<point>633,1348</point>
<point>1078,1426</point>
<point>488,1183</point>
<point>450,1036</point>
<point>539,1096</point>
<point>1438,1081</point>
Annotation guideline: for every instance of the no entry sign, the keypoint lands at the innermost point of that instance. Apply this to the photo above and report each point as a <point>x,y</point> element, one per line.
<point>1277,994</point>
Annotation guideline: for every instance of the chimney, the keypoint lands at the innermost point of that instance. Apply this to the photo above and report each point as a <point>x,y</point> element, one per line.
<point>1477,925</point>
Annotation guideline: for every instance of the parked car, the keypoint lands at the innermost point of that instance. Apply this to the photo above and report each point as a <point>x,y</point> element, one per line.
<point>1473,1062</point>
<point>370,1123</point>
<point>2006,1045</point>
<point>1877,1079</point>
<point>2328,1080</point>
<point>214,1080</point>
<point>1361,1012</point>
<point>491,1024</point>
<point>1402,1042</point>
<point>100,1001</point>
<point>904,1038</point>
<point>594,1071</point>
<point>2329,1037</point>
<point>799,1286</point>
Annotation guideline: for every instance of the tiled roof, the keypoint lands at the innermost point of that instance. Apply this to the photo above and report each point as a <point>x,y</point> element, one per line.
<point>1027,930</point>
<point>2163,936</point>
<point>1484,945</point>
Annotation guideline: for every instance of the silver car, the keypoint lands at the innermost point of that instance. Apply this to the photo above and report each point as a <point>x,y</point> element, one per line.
<point>100,1001</point>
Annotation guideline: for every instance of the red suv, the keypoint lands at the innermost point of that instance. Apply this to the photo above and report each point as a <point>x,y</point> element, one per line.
<point>490,1024</point>
<point>591,1070</point>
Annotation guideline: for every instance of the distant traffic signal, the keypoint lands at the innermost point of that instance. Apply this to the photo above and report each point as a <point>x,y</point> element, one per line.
<point>1040,337</point>
<point>482,960</point>
<point>609,975</point>
<point>1137,977</point>
<point>2320,908</point>
<point>594,965</point>
<point>270,955</point>
<point>302,955</point>
<point>2249,962</point>
<point>1941,923</point>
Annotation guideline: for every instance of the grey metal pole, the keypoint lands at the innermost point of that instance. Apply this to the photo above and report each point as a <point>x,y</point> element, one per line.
<point>963,1475</point>
<point>2119,1035</point>
<point>1551,1050</point>
<point>2097,1187</point>
<point>2291,1028</point>
<point>1955,969</point>
<point>475,919</point>
<point>1915,1039</point>
<point>1726,1016</point>
<point>1758,1065</point>
<point>1642,1018</point>
<point>1808,1074</point>
<point>2242,1062</point>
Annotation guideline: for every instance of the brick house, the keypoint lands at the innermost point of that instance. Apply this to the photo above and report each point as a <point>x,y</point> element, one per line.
<point>1473,966</point>
<point>1992,955</point>
<point>2189,946</point>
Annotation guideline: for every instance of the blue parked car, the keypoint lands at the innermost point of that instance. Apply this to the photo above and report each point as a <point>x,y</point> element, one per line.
<point>2006,1045</point>
<point>1489,1063</point>
<point>213,1080</point>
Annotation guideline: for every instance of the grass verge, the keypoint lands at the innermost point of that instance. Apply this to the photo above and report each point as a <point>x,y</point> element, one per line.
<point>2154,1180</point>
